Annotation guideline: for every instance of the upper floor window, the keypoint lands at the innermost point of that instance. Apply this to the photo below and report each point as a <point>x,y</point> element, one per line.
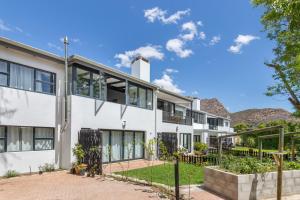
<point>26,78</point>
<point>199,118</point>
<point>140,96</point>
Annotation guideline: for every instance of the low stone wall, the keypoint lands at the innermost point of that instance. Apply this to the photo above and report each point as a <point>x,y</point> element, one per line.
<point>250,186</point>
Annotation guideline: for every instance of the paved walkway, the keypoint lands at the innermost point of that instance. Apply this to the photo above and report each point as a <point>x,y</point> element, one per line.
<point>64,186</point>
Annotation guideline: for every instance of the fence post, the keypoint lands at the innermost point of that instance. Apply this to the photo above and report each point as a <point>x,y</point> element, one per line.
<point>280,163</point>
<point>176,167</point>
<point>260,149</point>
<point>220,149</point>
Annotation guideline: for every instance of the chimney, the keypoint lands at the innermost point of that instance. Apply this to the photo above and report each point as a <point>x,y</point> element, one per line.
<point>140,68</point>
<point>196,104</point>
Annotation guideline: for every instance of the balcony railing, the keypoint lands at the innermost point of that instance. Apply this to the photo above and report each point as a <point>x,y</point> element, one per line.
<point>212,127</point>
<point>176,119</point>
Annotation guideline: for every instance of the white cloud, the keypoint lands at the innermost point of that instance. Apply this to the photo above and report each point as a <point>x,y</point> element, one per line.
<point>19,29</point>
<point>199,23</point>
<point>54,46</point>
<point>149,52</point>
<point>202,35</point>
<point>156,13</point>
<point>167,82</point>
<point>215,40</point>
<point>191,28</point>
<point>240,41</point>
<point>177,46</point>
<point>4,27</point>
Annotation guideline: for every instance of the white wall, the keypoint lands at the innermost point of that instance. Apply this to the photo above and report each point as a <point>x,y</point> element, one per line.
<point>24,162</point>
<point>109,117</point>
<point>26,108</point>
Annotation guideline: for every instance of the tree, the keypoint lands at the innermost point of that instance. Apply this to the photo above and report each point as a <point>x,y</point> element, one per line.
<point>281,21</point>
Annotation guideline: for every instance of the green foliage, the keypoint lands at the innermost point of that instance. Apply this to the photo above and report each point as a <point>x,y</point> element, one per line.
<point>240,127</point>
<point>281,21</point>
<point>246,165</point>
<point>291,165</point>
<point>79,153</point>
<point>47,168</point>
<point>199,146</point>
<point>11,173</point>
<point>251,142</point>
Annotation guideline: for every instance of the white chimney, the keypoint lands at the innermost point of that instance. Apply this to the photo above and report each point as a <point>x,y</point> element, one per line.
<point>196,104</point>
<point>140,68</point>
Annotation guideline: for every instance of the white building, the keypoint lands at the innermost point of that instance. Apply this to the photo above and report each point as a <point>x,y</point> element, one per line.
<point>34,129</point>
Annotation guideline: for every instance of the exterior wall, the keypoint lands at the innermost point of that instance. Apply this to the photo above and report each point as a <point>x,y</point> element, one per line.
<point>83,115</point>
<point>26,108</point>
<point>250,186</point>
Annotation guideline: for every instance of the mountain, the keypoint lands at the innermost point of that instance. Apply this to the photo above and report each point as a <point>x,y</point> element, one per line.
<point>214,106</point>
<point>256,116</point>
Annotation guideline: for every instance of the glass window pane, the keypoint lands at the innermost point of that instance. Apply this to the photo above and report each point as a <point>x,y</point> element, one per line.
<point>2,148</point>
<point>43,145</point>
<point>21,77</point>
<point>44,133</point>
<point>149,99</point>
<point>132,93</point>
<point>27,138</point>
<point>83,82</point>
<point>3,67</point>
<point>128,145</point>
<point>2,132</point>
<point>139,145</point>
<point>44,76</point>
<point>13,139</point>
<point>105,146</point>
<point>142,98</point>
<point>96,85</point>
<point>116,145</point>
<point>44,87</point>
<point>3,79</point>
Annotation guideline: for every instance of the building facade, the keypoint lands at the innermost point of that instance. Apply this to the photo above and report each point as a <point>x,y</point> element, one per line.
<point>39,122</point>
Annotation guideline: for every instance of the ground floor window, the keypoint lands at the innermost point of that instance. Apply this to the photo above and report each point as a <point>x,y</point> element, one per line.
<point>197,138</point>
<point>185,140</point>
<point>122,145</point>
<point>170,142</point>
<point>17,138</point>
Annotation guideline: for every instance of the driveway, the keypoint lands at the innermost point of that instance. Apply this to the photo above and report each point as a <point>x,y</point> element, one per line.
<point>63,186</point>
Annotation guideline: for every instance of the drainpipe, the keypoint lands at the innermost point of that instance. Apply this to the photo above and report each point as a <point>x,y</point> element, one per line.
<point>155,119</point>
<point>66,118</point>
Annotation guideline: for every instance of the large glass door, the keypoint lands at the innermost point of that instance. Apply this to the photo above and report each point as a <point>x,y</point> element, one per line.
<point>116,145</point>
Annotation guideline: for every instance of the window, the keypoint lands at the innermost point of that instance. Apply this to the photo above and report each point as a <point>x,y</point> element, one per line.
<point>220,122</point>
<point>142,98</point>
<point>21,77</point>
<point>2,139</point>
<point>26,78</point>
<point>197,138</point>
<point>3,73</point>
<point>83,82</point>
<point>149,98</point>
<point>44,82</point>
<point>14,139</point>
<point>198,117</point>
<point>122,145</point>
<point>132,94</point>
<point>185,139</point>
<point>44,139</point>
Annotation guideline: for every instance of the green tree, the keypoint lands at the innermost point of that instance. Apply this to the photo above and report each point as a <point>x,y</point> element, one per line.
<point>281,21</point>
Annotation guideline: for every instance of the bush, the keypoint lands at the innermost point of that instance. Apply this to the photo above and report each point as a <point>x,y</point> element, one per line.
<point>79,153</point>
<point>251,142</point>
<point>48,167</point>
<point>11,173</point>
<point>200,147</point>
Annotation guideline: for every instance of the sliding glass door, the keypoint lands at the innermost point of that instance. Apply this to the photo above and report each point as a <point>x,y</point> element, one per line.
<point>122,145</point>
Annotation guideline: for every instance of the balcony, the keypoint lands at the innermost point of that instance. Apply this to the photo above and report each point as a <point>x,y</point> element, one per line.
<point>176,119</point>
<point>212,127</point>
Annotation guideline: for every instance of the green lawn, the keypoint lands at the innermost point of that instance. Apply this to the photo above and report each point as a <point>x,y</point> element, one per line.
<point>165,174</point>
<point>247,148</point>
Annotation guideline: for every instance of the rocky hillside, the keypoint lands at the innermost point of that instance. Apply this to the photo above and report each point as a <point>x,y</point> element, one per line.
<point>214,106</point>
<point>256,116</point>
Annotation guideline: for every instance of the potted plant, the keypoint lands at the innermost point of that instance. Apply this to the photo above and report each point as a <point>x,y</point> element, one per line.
<point>79,166</point>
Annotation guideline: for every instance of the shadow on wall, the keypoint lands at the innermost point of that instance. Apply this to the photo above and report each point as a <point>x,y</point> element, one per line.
<point>5,108</point>
<point>253,192</point>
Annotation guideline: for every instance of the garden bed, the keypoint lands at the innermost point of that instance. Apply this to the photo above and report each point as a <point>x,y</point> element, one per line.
<point>250,186</point>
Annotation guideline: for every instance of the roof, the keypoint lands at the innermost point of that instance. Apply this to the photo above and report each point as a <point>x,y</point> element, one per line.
<point>85,61</point>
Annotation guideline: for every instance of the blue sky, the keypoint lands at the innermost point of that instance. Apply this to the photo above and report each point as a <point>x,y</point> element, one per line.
<point>208,49</point>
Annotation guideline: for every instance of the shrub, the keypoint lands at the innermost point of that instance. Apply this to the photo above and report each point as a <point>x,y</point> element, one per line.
<point>198,146</point>
<point>79,153</point>
<point>11,173</point>
<point>251,142</point>
<point>48,167</point>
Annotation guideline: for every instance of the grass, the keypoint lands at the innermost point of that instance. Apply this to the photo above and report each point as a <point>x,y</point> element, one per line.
<point>254,149</point>
<point>165,174</point>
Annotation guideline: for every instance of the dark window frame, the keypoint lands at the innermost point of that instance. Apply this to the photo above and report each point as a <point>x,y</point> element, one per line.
<point>123,144</point>
<point>33,139</point>
<point>8,74</point>
<point>189,141</point>
<point>138,95</point>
